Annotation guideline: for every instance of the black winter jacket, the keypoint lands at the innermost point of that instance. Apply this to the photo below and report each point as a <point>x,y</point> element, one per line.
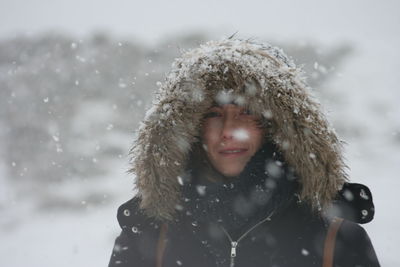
<point>294,237</point>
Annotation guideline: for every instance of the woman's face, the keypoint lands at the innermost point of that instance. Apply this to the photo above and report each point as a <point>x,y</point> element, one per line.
<point>231,136</point>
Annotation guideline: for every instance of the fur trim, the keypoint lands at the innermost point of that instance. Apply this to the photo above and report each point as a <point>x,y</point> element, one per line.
<point>258,76</point>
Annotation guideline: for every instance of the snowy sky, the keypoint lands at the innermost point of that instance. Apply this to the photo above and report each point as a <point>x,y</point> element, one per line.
<point>326,21</point>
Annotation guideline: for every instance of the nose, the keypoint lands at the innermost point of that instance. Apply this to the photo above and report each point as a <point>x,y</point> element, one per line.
<point>228,127</point>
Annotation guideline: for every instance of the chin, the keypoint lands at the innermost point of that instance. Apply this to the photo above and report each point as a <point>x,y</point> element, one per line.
<point>231,173</point>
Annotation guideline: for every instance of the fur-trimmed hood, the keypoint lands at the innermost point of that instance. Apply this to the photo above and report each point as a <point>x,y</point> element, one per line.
<point>258,76</point>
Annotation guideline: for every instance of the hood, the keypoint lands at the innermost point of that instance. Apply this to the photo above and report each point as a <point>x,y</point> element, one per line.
<point>258,76</point>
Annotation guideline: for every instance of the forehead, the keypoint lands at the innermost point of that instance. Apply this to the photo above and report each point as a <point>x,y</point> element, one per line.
<point>227,107</point>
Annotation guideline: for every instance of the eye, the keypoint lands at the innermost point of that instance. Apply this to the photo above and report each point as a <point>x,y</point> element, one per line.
<point>212,114</point>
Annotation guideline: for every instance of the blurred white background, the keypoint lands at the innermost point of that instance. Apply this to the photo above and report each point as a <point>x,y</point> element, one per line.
<point>77,76</point>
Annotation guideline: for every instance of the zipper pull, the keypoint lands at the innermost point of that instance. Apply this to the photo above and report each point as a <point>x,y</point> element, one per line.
<point>233,249</point>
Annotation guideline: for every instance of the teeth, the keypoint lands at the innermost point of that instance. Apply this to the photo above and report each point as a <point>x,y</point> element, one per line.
<point>232,151</point>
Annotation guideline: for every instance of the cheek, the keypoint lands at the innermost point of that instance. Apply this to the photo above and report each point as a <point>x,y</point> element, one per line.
<point>210,133</point>
<point>257,137</point>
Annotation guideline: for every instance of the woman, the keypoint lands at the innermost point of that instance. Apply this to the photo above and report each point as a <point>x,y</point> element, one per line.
<point>236,166</point>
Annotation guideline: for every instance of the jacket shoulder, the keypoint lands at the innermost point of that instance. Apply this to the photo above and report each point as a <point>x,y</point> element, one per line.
<point>132,219</point>
<point>354,202</point>
<point>138,239</point>
<point>353,246</point>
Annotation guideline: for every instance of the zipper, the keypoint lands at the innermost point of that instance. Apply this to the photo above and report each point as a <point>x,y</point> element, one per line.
<point>234,244</point>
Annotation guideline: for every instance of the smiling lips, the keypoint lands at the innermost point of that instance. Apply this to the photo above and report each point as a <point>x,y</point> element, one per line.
<point>231,152</point>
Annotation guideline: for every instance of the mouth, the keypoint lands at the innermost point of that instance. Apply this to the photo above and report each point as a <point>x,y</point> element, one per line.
<point>232,152</point>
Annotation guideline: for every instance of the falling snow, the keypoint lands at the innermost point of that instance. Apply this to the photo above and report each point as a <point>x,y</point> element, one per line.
<point>201,190</point>
<point>241,134</point>
<point>224,97</point>
<point>305,252</point>
<point>365,133</point>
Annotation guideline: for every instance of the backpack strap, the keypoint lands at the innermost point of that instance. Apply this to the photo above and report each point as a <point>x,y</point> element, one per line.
<point>330,240</point>
<point>161,244</point>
